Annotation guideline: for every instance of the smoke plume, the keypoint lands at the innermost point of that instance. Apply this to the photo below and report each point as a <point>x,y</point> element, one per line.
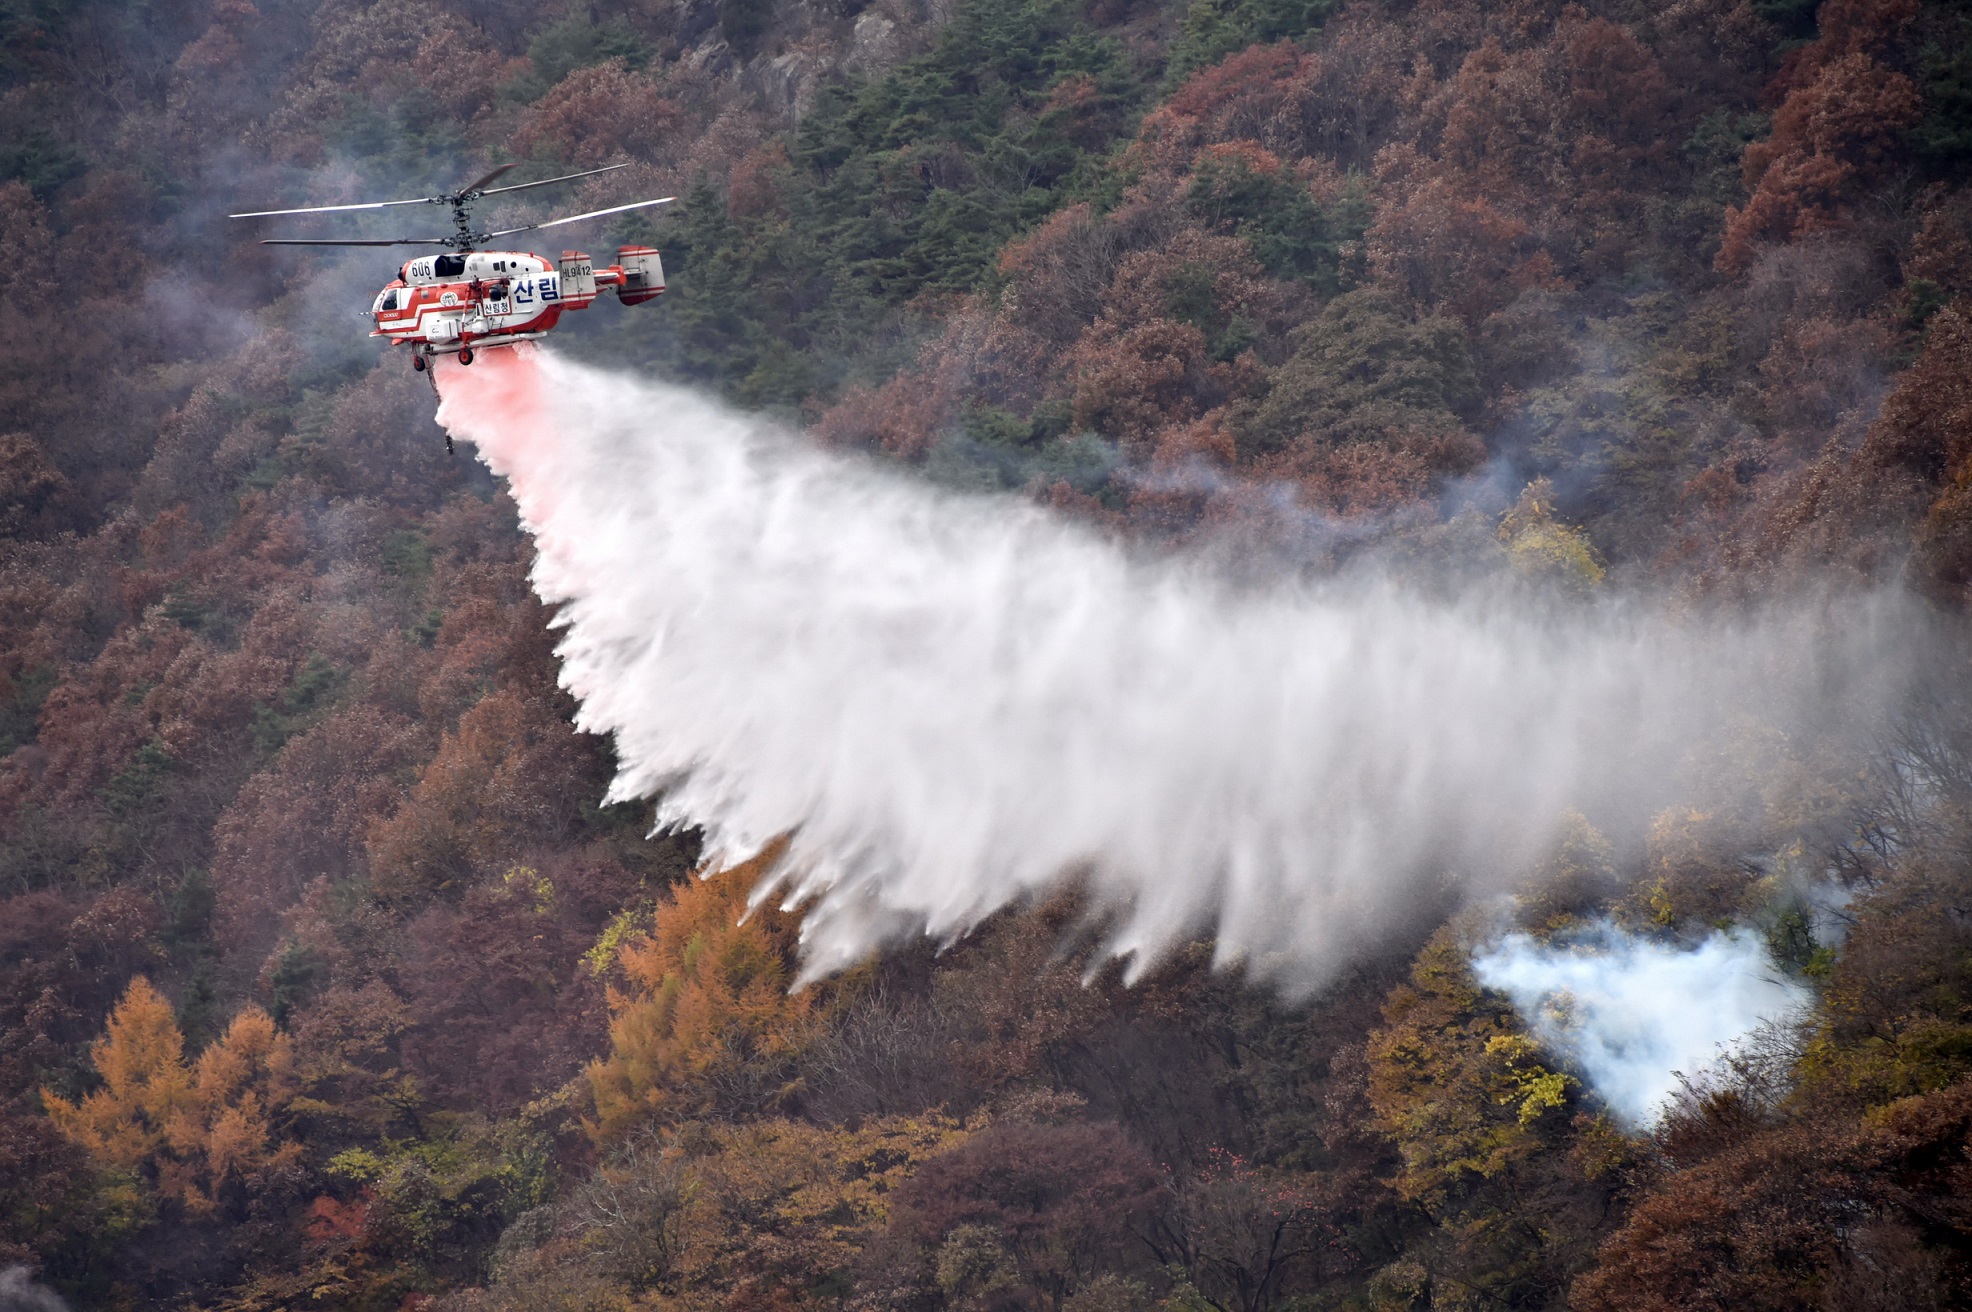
<point>951,703</point>
<point>20,1293</point>
<point>1630,1012</point>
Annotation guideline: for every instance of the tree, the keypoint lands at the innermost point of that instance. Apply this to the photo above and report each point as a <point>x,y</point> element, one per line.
<point>1540,546</point>
<point>1498,125</point>
<point>141,1061</point>
<point>1748,1230</point>
<point>706,1024</point>
<point>1242,187</point>
<point>1453,1080</point>
<point>1832,139</point>
<point>779,1206</point>
<point>191,1132</point>
<point>1172,342</point>
<point>1922,435</point>
<point>506,1005</point>
<point>500,779</point>
<point>50,1204</point>
<point>1243,1234</point>
<point>36,499</point>
<point>305,816</point>
<point>1514,1183</point>
<point>597,114</point>
<point>1215,28</point>
<point>1449,249</point>
<point>224,1132</point>
<point>1047,1209</point>
<point>1363,373</point>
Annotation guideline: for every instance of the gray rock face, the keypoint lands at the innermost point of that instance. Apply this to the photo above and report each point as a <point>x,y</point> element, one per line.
<point>696,18</point>
<point>787,83</point>
<point>874,45</point>
<point>713,56</point>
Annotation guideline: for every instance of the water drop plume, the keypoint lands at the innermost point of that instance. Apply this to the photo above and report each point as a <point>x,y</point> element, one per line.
<point>951,703</point>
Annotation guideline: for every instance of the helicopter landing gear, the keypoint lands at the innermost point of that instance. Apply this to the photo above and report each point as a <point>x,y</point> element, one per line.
<point>465,355</point>
<point>421,362</point>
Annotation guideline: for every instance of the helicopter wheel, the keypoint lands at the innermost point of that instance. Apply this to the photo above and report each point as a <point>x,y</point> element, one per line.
<point>418,361</point>
<point>465,355</point>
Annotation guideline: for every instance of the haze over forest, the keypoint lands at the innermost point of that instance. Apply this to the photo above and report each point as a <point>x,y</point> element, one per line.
<point>1343,622</point>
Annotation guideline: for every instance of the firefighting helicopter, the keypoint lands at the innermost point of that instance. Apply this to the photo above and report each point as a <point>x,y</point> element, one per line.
<point>470,298</point>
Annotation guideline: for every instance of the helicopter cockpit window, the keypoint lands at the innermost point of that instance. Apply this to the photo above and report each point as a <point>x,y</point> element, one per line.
<point>449,266</point>
<point>389,300</point>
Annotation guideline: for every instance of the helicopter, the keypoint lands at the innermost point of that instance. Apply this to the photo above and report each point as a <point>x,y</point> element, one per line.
<point>469,298</point>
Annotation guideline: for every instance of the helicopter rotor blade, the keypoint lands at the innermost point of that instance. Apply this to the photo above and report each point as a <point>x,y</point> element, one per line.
<point>356,241</point>
<point>577,218</point>
<point>476,188</point>
<point>480,186</point>
<point>567,177</point>
<point>329,209</point>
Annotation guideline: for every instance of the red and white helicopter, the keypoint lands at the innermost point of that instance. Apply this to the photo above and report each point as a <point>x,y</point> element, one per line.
<point>469,297</point>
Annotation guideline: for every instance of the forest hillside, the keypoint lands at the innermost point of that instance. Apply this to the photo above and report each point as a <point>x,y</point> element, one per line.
<point>330,979</point>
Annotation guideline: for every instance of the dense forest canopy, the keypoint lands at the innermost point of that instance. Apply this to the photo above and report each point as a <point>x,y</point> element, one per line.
<point>328,978</point>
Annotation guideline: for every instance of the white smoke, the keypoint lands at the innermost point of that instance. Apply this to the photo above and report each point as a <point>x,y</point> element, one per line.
<point>951,702</point>
<point>20,1293</point>
<point>1630,1012</point>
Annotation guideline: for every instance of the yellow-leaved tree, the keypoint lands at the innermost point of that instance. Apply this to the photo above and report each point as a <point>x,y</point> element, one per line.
<point>1540,546</point>
<point>1484,1125</point>
<point>1456,1082</point>
<point>191,1130</point>
<point>778,1206</point>
<point>709,1217</point>
<point>706,1022</point>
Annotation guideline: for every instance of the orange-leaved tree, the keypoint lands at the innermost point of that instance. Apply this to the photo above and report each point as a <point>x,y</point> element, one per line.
<point>707,1022</point>
<point>194,1130</point>
<point>1833,139</point>
<point>141,1058</point>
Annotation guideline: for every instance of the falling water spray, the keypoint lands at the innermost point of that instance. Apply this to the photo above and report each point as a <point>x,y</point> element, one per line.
<point>949,704</point>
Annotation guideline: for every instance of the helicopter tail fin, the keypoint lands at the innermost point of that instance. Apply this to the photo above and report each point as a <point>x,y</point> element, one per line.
<point>643,275</point>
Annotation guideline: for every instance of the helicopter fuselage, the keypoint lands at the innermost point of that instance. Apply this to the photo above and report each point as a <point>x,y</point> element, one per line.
<point>456,302</point>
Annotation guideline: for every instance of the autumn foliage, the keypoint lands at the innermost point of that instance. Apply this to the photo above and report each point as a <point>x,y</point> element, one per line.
<point>707,1021</point>
<point>195,1131</point>
<point>328,979</point>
